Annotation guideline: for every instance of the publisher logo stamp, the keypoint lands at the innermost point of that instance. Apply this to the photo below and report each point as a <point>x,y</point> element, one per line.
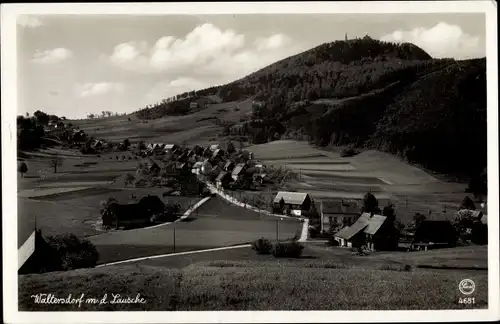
<point>466,286</point>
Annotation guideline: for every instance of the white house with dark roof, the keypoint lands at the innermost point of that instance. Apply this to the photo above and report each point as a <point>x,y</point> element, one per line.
<point>296,202</point>
<point>239,171</point>
<point>370,230</point>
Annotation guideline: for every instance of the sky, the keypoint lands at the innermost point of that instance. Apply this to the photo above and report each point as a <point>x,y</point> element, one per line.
<point>73,65</point>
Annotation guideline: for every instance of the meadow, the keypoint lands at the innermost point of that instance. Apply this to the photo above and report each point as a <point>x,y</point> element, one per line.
<point>258,285</point>
<point>327,176</point>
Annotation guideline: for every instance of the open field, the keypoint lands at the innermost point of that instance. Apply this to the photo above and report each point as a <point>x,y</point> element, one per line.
<point>254,285</point>
<point>194,128</point>
<point>214,224</point>
<point>76,212</point>
<point>327,176</point>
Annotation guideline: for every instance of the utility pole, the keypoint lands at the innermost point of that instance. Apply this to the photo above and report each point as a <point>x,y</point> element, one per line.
<point>174,239</point>
<point>277,229</point>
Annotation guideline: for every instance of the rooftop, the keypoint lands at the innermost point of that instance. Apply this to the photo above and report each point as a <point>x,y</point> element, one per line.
<point>294,198</point>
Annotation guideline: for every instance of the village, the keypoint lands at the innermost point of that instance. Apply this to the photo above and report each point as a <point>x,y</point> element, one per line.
<point>224,170</point>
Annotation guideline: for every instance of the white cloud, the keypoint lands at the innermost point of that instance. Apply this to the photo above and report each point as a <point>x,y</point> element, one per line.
<point>99,88</point>
<point>29,21</point>
<point>52,56</point>
<point>442,40</point>
<point>207,50</point>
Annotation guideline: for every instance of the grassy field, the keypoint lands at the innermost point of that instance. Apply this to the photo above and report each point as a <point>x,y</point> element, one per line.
<point>254,285</point>
<point>215,224</point>
<point>327,176</point>
<point>194,128</point>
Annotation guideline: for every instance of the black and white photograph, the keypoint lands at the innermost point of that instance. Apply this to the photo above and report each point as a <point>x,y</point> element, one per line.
<point>178,161</point>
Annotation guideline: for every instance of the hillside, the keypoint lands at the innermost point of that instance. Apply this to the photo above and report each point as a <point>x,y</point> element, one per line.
<point>366,93</point>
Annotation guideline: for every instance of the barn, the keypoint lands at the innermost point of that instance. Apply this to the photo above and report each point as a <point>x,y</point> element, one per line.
<point>371,230</point>
<point>296,202</point>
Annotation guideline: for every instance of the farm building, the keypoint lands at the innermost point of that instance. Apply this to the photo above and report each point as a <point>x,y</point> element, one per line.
<point>223,180</point>
<point>198,150</point>
<point>434,233</point>
<point>196,168</point>
<point>205,168</point>
<point>296,202</point>
<point>238,172</point>
<point>152,165</point>
<point>228,166</point>
<point>370,230</point>
<point>170,147</point>
<point>335,213</point>
<point>97,145</point>
<point>133,214</point>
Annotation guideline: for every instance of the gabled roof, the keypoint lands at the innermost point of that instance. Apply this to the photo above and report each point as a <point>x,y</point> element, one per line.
<point>238,169</point>
<point>26,250</point>
<point>179,165</point>
<point>228,163</point>
<point>374,223</point>
<point>349,231</point>
<point>221,176</point>
<point>216,152</point>
<point>369,225</point>
<point>197,165</point>
<point>294,198</point>
<point>213,147</point>
<point>169,146</point>
<point>337,207</point>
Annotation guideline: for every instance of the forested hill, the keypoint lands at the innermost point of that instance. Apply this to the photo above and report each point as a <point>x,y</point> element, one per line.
<point>367,93</point>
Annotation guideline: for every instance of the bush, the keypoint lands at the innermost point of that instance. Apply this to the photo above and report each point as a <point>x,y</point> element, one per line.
<point>290,249</point>
<point>348,152</point>
<point>262,246</point>
<point>71,253</point>
<point>332,241</point>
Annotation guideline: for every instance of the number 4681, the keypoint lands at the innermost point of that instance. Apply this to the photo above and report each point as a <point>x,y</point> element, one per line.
<point>467,300</point>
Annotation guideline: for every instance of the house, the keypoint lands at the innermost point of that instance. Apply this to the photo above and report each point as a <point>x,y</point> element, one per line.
<point>193,105</point>
<point>198,150</point>
<point>238,172</point>
<point>152,165</point>
<point>182,168</point>
<point>296,202</point>
<point>214,147</point>
<point>196,168</point>
<point>223,180</point>
<point>207,152</point>
<point>217,156</point>
<point>335,213</point>
<point>34,255</point>
<point>370,230</point>
<point>97,145</point>
<point>228,166</point>
<point>205,168</point>
<point>133,214</point>
<point>171,147</point>
<point>434,233</point>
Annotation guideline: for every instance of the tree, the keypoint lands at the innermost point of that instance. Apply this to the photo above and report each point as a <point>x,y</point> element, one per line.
<point>91,116</point>
<point>370,204</point>
<point>230,147</point>
<point>389,212</point>
<point>57,161</point>
<point>467,203</point>
<point>478,185</point>
<point>129,178</point>
<point>418,219</point>
<point>22,169</point>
